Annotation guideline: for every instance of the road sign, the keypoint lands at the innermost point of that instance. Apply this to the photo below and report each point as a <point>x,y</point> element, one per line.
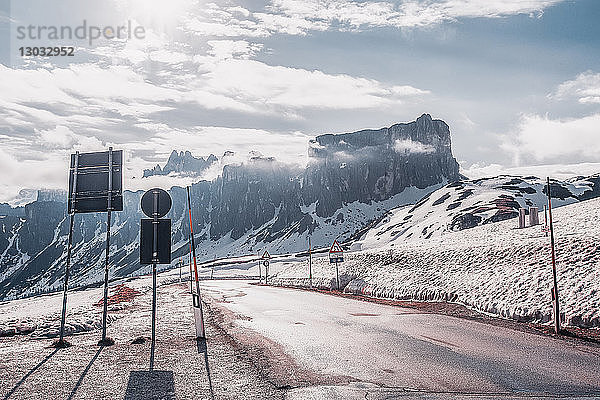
<point>266,263</point>
<point>336,253</point>
<point>163,206</point>
<point>266,255</point>
<point>92,176</point>
<point>163,241</point>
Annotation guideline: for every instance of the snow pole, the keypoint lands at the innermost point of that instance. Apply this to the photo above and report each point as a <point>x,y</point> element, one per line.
<point>197,301</point>
<point>190,264</point>
<point>104,341</point>
<point>310,262</point>
<point>555,288</point>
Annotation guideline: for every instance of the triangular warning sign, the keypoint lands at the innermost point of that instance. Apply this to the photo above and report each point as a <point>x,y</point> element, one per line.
<point>336,248</point>
<point>266,254</point>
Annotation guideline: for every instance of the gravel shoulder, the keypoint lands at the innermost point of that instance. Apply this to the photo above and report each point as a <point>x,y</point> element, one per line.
<point>184,369</point>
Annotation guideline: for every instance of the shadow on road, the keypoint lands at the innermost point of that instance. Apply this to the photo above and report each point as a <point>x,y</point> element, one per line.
<point>143,385</point>
<point>28,374</point>
<point>84,373</point>
<point>202,349</point>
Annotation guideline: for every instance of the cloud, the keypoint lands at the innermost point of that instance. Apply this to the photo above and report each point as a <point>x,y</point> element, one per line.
<point>407,146</point>
<point>257,83</point>
<point>227,49</point>
<point>585,88</point>
<point>556,140</point>
<point>557,171</point>
<point>407,14</point>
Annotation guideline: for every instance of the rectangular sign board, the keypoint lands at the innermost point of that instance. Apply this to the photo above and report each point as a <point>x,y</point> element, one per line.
<point>91,194</point>
<point>147,240</point>
<point>336,259</point>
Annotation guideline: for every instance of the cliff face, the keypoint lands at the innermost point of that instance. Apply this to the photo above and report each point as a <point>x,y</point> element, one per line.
<point>262,204</point>
<point>373,165</point>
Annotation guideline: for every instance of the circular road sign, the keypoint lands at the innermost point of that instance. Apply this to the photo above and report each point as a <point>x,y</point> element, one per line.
<point>163,204</point>
<point>266,263</point>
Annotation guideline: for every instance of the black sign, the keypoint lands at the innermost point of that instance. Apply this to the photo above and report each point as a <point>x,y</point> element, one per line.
<point>163,241</point>
<point>336,259</point>
<point>89,173</point>
<point>266,263</point>
<point>163,203</point>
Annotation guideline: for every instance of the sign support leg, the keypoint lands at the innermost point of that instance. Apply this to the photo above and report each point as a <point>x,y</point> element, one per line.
<point>259,270</point>
<point>61,342</point>
<point>337,275</point>
<point>153,316</point>
<point>104,340</point>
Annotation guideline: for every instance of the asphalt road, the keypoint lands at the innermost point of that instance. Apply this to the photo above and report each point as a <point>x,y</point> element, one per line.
<point>371,350</point>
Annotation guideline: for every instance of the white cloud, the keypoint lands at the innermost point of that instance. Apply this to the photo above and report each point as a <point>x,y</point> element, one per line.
<point>563,140</point>
<point>585,88</point>
<point>557,171</point>
<point>416,13</point>
<point>226,49</point>
<point>261,84</point>
<point>407,146</point>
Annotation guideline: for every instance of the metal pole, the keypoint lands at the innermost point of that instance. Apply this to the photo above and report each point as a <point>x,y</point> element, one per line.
<point>109,208</point>
<point>202,332</point>
<point>69,246</point>
<point>180,263</point>
<point>153,316</point>
<point>154,260</point>
<point>259,269</point>
<point>309,263</point>
<point>337,274</point>
<point>267,272</point>
<point>546,219</point>
<point>555,289</point>
<point>66,288</point>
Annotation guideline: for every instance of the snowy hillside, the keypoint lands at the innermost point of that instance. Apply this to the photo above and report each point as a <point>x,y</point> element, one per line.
<point>466,204</point>
<point>494,268</point>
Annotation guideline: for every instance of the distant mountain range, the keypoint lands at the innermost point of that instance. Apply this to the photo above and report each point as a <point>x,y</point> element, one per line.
<point>182,163</point>
<point>352,180</point>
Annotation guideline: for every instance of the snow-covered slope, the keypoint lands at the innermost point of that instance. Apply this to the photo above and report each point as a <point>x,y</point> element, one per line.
<point>466,204</point>
<point>494,268</point>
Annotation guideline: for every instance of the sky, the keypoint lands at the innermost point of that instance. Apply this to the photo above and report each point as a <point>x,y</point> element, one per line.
<point>517,81</point>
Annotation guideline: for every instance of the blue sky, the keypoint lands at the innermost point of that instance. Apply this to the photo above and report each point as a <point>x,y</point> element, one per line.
<point>517,81</point>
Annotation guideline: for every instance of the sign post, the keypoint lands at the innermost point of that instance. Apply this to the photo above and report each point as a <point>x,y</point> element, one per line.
<point>155,243</point>
<point>95,185</point>
<point>266,257</point>
<point>196,300</point>
<point>555,287</point>
<point>61,342</point>
<point>336,255</point>
<point>259,269</point>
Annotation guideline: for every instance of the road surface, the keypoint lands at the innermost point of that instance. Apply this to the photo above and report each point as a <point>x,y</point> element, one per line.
<point>338,347</point>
